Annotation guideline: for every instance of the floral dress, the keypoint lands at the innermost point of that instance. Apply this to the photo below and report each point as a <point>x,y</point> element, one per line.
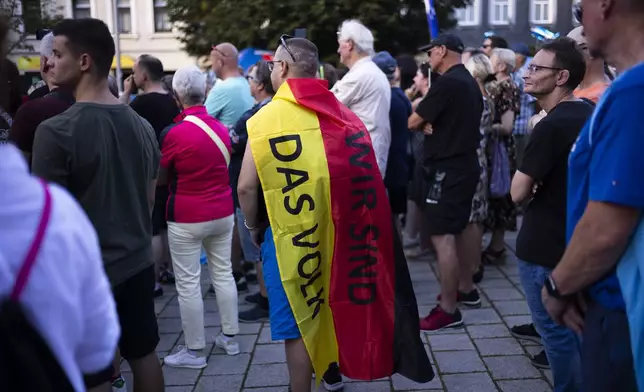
<point>480,200</point>
<point>505,95</point>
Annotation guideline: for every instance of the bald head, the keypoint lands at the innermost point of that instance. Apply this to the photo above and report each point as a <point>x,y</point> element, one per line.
<point>305,54</point>
<point>229,53</point>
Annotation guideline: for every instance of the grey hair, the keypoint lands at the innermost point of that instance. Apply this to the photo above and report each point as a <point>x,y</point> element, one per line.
<point>306,57</point>
<point>479,66</point>
<point>360,35</point>
<point>47,45</point>
<point>507,57</point>
<point>189,85</point>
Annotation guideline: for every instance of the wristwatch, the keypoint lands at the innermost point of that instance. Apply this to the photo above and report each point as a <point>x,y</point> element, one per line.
<point>551,288</point>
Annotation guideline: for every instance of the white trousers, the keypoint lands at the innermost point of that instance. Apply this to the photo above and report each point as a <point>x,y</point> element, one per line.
<point>186,240</point>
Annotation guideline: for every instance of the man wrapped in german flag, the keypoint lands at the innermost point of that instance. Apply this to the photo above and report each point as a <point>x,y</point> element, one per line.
<point>338,285</point>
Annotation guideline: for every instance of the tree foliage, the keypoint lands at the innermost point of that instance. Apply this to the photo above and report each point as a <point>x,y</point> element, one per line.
<point>27,16</point>
<point>398,25</point>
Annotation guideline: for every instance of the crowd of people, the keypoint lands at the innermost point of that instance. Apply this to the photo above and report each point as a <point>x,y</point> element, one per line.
<point>113,197</point>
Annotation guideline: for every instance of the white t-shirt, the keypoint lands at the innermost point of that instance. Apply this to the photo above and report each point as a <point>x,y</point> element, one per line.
<point>67,297</point>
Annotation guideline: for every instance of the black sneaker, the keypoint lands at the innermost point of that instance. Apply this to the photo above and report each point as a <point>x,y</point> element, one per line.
<point>526,332</point>
<point>478,276</point>
<point>257,313</point>
<point>240,281</point>
<point>250,271</point>
<point>540,360</point>
<point>253,298</point>
<point>166,277</point>
<point>332,378</point>
<point>158,292</point>
<point>471,299</point>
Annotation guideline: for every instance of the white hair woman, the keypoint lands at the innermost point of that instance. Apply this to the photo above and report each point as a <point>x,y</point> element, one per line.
<point>195,153</point>
<point>506,99</point>
<point>480,67</point>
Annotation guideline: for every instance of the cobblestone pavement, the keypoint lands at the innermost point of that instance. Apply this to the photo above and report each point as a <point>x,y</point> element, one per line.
<point>482,357</point>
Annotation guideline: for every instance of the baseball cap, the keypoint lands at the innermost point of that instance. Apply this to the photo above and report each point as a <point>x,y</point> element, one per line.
<point>450,41</point>
<point>521,48</point>
<point>386,63</point>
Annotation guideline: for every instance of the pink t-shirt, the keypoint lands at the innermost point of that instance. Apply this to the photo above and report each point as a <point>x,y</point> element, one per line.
<point>198,179</point>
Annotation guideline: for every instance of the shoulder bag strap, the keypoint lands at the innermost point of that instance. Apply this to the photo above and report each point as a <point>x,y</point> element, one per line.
<point>215,138</point>
<point>30,260</point>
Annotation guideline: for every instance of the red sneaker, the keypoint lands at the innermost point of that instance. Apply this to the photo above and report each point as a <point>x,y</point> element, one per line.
<point>439,319</point>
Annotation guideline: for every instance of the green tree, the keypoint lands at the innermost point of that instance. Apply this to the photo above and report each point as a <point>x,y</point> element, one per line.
<point>398,25</point>
<point>26,17</point>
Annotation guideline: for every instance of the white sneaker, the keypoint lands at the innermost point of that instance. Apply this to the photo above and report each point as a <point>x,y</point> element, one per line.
<point>183,359</point>
<point>227,344</point>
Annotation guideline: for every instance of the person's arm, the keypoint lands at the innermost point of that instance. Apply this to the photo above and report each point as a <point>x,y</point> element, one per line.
<point>346,90</point>
<point>167,147</point>
<point>247,188</point>
<point>51,156</point>
<point>522,185</point>
<point>506,125</point>
<point>128,85</point>
<point>216,100</point>
<point>616,194</point>
<point>432,105</point>
<point>23,129</point>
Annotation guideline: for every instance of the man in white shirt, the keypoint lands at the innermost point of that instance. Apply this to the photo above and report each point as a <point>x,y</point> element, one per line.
<point>67,297</point>
<point>365,88</point>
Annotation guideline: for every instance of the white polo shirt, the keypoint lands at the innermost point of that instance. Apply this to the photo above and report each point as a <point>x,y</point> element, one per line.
<point>67,297</point>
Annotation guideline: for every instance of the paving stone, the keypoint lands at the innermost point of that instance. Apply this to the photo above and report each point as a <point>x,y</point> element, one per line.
<point>493,273</point>
<point>230,383</point>
<point>474,382</point>
<point>170,311</point>
<point>227,364</point>
<point>246,344</point>
<point>512,308</point>
<point>179,389</point>
<point>367,387</point>
<point>450,342</point>
<point>264,389</point>
<point>498,346</point>
<point>269,353</point>
<point>510,270</point>
<point>172,325</point>
<point>532,350</point>
<point>158,307</point>
<point>267,375</point>
<point>401,383</point>
<point>524,386</point>
<point>167,341</point>
<point>512,321</point>
<point>480,316</point>
<point>459,362</point>
<point>265,336</point>
<point>179,376</point>
<point>502,294</point>
<point>249,328</point>
<point>499,283</point>
<point>511,367</point>
<point>488,331</point>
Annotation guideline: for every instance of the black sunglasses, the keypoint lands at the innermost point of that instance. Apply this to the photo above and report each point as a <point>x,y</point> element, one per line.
<point>283,39</point>
<point>578,12</point>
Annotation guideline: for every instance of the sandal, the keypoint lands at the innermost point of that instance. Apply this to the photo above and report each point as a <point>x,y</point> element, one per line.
<point>491,256</point>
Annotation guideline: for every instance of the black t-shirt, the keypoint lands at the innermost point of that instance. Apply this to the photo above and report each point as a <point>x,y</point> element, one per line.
<point>159,109</point>
<point>542,238</point>
<point>453,106</point>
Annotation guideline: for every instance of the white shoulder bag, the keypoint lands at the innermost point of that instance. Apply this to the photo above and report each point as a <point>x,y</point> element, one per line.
<point>215,138</point>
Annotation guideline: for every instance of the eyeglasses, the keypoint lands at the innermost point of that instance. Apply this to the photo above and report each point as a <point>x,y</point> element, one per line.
<point>533,68</point>
<point>283,40</point>
<point>222,54</point>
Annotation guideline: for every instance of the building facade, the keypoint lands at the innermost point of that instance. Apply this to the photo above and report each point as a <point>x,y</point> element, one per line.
<point>143,26</point>
<point>513,19</point>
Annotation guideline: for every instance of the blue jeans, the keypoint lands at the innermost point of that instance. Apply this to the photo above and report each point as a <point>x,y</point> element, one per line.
<point>560,343</point>
<point>250,251</point>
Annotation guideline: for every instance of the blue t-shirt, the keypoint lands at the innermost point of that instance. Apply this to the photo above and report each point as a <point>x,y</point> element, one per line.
<point>606,164</point>
<point>229,99</point>
<point>397,174</point>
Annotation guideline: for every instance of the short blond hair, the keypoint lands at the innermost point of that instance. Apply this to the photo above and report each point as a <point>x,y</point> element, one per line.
<point>506,56</point>
<point>479,66</point>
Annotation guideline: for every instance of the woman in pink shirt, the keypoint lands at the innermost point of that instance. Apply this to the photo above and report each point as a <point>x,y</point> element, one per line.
<point>195,153</point>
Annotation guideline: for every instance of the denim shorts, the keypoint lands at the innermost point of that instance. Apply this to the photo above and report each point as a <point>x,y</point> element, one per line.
<point>283,325</point>
<point>251,253</point>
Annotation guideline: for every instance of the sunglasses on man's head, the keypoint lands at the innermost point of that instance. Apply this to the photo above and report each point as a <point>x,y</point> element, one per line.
<point>283,39</point>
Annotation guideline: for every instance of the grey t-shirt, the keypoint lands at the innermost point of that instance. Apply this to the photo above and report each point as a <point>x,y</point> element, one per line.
<point>105,155</point>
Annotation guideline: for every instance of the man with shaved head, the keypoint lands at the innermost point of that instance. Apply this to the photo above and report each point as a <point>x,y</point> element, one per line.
<point>227,101</point>
<point>595,81</point>
<point>604,255</point>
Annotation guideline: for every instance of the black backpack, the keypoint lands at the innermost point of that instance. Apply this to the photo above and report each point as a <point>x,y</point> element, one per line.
<point>26,361</point>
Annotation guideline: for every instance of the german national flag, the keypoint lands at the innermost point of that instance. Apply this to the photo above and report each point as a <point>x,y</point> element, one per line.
<point>340,260</point>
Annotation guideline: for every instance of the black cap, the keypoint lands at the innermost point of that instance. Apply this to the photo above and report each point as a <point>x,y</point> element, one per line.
<point>450,41</point>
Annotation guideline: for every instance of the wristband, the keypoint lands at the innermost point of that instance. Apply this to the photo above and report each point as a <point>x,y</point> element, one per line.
<point>247,226</point>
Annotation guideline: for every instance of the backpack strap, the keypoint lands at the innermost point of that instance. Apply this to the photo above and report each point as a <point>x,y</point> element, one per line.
<point>25,270</point>
<point>215,138</point>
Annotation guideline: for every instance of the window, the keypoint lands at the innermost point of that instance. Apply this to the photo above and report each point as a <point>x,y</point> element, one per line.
<point>32,15</point>
<point>542,11</point>
<point>575,4</point>
<point>470,15</point>
<point>501,12</point>
<point>82,9</point>
<point>124,16</point>
<point>161,18</point>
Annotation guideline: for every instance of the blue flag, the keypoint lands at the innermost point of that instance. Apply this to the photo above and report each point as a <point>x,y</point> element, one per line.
<point>432,21</point>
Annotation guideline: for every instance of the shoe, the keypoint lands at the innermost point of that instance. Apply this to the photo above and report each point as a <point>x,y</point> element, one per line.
<point>332,378</point>
<point>478,276</point>
<point>240,281</point>
<point>118,384</point>
<point>250,271</point>
<point>184,359</point>
<point>439,319</point>
<point>226,343</point>
<point>166,277</point>
<point>540,360</point>
<point>158,292</point>
<point>471,299</point>
<point>253,298</point>
<point>409,242</point>
<point>253,315</point>
<point>526,332</point>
